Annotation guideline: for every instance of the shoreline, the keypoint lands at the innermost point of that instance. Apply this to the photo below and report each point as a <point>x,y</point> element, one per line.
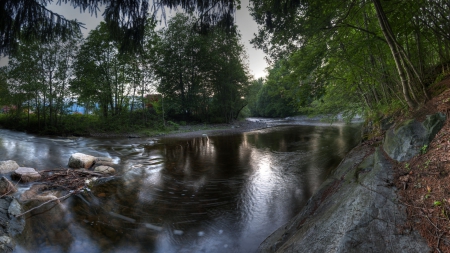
<point>192,131</point>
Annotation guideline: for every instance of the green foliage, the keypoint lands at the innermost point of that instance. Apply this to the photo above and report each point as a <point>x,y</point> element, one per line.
<point>31,20</point>
<point>172,125</point>
<point>423,149</point>
<point>337,58</point>
<point>201,76</point>
<point>275,96</point>
<point>437,203</point>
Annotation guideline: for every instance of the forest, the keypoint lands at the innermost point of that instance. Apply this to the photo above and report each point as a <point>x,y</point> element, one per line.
<point>179,75</point>
<point>368,57</point>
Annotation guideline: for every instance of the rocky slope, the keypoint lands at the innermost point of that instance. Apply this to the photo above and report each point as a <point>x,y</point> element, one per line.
<point>358,209</point>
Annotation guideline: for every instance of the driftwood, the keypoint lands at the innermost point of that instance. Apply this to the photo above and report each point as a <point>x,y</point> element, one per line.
<point>67,179</point>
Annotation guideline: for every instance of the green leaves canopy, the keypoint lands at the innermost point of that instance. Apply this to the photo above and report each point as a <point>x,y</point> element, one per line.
<point>362,55</point>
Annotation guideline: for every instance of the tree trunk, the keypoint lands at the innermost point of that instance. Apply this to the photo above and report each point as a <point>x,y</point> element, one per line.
<point>387,32</point>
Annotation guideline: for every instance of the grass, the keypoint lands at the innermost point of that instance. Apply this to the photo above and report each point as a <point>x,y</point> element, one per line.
<point>139,123</point>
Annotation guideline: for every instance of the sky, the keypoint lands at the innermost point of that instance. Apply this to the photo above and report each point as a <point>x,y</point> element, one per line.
<point>245,23</point>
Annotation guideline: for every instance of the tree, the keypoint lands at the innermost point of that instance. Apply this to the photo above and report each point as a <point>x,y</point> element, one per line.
<point>200,75</point>
<point>38,76</point>
<point>273,98</point>
<point>373,50</point>
<point>101,73</point>
<point>32,20</point>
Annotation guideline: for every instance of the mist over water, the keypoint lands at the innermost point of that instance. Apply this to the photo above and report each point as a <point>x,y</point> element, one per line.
<point>211,194</point>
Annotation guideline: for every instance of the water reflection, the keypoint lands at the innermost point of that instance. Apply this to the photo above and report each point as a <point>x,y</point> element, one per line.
<point>209,194</point>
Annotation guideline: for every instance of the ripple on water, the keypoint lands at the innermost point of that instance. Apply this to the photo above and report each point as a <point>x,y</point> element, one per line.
<point>215,194</point>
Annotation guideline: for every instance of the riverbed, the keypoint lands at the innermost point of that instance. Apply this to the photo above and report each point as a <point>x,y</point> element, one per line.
<point>221,193</point>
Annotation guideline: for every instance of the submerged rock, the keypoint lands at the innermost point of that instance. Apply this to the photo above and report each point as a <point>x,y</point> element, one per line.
<point>6,187</point>
<point>105,169</point>
<point>25,174</point>
<point>412,137</point>
<point>8,166</point>
<point>355,210</point>
<point>37,192</point>
<point>48,220</point>
<point>80,160</point>
<point>106,161</point>
<point>100,160</point>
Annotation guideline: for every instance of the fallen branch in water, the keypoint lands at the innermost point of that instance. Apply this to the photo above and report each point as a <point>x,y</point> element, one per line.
<point>67,179</point>
<point>47,202</point>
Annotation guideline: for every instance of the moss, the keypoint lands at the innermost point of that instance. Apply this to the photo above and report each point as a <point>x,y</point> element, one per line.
<point>404,123</point>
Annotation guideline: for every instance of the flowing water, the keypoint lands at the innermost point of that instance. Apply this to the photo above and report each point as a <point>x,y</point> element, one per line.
<point>210,194</point>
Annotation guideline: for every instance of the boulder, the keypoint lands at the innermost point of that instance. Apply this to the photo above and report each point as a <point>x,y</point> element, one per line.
<point>79,160</point>
<point>105,169</point>
<point>25,174</point>
<point>353,211</point>
<point>8,166</point>
<point>6,187</point>
<point>411,137</point>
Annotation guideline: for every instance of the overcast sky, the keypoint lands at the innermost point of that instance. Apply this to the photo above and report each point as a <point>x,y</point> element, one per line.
<point>244,21</point>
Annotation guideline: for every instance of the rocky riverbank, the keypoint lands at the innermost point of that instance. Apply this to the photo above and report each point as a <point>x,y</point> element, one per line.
<point>358,208</point>
<point>42,195</point>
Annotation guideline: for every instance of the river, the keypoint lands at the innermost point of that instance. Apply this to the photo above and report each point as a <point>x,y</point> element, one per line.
<point>210,194</point>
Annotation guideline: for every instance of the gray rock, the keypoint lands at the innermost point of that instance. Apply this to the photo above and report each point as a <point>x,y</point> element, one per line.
<point>6,244</point>
<point>8,166</point>
<point>79,160</point>
<point>25,174</point>
<point>6,187</point>
<point>14,208</point>
<point>354,211</point>
<point>105,169</point>
<point>408,139</point>
<point>11,226</point>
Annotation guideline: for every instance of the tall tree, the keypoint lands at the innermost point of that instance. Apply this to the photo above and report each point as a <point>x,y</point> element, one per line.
<point>200,75</point>
<point>371,45</point>
<point>38,75</point>
<point>101,72</point>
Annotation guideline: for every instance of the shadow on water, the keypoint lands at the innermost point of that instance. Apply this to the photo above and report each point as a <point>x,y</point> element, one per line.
<point>209,194</point>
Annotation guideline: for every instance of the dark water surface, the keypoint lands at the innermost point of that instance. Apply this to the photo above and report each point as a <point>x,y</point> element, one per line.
<point>209,194</point>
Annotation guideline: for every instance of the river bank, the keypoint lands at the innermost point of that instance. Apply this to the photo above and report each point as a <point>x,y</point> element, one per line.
<point>190,130</point>
<point>390,193</point>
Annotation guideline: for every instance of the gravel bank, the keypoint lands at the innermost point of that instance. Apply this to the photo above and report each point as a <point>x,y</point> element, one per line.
<point>219,129</point>
<point>193,131</point>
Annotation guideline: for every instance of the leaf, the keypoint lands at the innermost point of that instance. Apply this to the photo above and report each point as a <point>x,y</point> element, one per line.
<point>404,178</point>
<point>437,203</point>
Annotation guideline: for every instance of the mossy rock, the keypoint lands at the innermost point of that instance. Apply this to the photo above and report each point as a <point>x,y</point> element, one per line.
<point>409,138</point>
